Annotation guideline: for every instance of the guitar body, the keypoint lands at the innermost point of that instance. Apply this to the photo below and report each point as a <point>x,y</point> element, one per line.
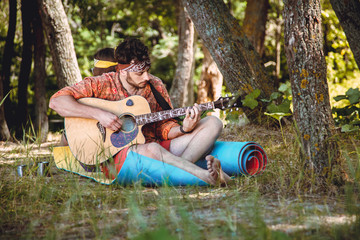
<point>91,143</point>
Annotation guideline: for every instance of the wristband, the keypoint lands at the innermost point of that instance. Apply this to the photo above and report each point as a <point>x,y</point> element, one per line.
<point>183,131</point>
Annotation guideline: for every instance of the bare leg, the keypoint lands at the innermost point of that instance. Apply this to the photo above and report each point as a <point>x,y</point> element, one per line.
<point>155,151</point>
<point>196,144</point>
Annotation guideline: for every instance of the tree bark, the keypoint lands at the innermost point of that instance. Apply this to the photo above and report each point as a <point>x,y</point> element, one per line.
<point>27,15</point>
<point>179,89</point>
<point>238,61</point>
<point>349,18</point>
<point>255,23</point>
<point>307,68</point>
<point>41,118</point>
<point>60,41</point>
<point>211,79</point>
<point>5,71</point>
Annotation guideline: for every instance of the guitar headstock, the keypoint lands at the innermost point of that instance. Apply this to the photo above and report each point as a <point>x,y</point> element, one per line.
<point>228,102</point>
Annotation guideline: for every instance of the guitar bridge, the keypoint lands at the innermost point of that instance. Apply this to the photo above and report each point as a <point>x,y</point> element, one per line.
<point>102,131</point>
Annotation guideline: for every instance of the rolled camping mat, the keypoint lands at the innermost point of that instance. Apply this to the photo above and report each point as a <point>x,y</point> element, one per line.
<point>238,158</point>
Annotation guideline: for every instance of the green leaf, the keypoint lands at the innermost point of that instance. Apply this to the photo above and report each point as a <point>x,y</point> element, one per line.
<point>277,116</point>
<point>250,102</point>
<point>250,99</point>
<point>285,88</point>
<point>275,95</point>
<point>284,107</point>
<point>2,101</point>
<point>349,128</point>
<point>354,95</point>
<point>254,94</point>
<point>340,97</point>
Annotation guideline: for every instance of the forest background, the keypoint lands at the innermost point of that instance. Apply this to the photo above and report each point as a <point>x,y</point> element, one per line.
<point>96,24</point>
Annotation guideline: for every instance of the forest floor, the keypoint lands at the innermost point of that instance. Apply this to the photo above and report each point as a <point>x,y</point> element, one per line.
<point>274,205</point>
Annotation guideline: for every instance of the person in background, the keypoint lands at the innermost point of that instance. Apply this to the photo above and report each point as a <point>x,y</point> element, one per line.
<point>104,61</point>
<point>166,140</point>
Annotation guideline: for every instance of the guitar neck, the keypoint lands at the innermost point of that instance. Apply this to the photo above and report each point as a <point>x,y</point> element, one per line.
<point>173,113</point>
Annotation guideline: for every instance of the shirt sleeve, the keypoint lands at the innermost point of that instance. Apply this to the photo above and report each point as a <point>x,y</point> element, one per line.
<point>89,87</point>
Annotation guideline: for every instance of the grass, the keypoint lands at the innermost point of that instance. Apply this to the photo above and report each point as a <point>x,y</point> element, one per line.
<point>279,204</point>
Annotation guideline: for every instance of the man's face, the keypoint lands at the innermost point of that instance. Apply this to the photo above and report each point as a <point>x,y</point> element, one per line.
<point>137,79</point>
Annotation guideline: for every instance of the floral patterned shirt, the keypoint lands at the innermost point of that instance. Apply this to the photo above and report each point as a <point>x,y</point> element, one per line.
<point>108,86</point>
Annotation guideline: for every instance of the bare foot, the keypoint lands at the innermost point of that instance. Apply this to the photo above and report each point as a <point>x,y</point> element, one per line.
<point>217,175</point>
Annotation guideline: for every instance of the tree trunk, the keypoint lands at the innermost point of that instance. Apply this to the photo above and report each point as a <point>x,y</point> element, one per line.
<point>349,18</point>
<point>60,40</point>
<point>5,71</point>
<point>27,14</point>
<point>41,119</point>
<point>255,23</point>
<point>307,68</point>
<point>179,88</point>
<point>211,80</point>
<point>238,61</point>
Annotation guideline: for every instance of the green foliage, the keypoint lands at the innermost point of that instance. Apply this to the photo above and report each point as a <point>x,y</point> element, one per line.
<point>164,59</point>
<point>280,102</point>
<point>348,116</point>
<point>250,99</point>
<point>341,64</point>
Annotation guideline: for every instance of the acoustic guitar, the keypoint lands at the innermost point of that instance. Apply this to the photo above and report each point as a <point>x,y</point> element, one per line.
<point>92,144</point>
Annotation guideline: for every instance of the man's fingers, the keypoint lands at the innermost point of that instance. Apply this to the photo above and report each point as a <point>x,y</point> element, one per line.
<point>116,126</point>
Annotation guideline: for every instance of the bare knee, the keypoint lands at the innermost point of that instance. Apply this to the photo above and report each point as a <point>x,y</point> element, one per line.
<point>213,123</point>
<point>151,150</point>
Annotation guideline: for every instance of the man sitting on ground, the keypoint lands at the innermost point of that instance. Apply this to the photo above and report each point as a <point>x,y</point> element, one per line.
<point>167,141</point>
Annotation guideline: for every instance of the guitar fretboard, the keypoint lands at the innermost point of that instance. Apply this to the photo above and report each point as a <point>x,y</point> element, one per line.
<point>159,116</point>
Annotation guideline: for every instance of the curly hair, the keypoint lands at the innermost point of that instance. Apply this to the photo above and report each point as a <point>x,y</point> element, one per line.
<point>131,49</point>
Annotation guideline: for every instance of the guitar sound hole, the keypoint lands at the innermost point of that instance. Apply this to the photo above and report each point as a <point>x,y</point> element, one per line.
<point>128,123</point>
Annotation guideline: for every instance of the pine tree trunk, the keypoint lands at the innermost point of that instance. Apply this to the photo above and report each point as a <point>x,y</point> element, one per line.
<point>5,71</point>
<point>179,93</point>
<point>348,13</point>
<point>238,61</point>
<point>255,23</point>
<point>60,40</point>
<point>41,118</point>
<point>27,13</point>
<point>307,68</point>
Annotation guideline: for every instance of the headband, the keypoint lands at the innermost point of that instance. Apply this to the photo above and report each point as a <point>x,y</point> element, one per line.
<point>103,64</point>
<point>135,67</point>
